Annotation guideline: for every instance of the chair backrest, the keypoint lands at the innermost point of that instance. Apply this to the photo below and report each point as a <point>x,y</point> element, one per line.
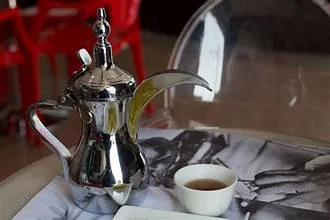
<point>123,13</point>
<point>14,45</point>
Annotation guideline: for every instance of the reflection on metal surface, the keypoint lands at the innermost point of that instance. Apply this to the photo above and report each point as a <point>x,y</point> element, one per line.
<point>210,58</point>
<point>115,163</point>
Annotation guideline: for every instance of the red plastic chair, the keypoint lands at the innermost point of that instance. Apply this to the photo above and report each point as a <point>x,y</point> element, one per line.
<point>57,34</point>
<point>20,52</point>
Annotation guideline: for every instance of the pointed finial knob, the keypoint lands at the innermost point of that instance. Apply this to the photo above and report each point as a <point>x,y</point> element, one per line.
<point>102,52</point>
<point>101,27</point>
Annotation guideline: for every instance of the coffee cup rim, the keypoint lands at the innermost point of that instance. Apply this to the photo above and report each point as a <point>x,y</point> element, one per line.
<point>206,191</point>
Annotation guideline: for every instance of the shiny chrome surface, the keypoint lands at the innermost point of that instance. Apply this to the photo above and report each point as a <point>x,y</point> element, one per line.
<point>107,165</point>
<point>102,51</point>
<point>267,63</point>
<point>105,80</point>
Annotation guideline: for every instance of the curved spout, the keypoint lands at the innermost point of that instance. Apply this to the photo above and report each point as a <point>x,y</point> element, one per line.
<point>154,85</point>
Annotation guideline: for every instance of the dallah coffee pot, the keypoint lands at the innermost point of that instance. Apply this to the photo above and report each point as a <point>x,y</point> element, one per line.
<point>107,165</point>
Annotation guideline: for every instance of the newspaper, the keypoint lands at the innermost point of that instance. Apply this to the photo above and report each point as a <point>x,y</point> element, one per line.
<point>276,181</point>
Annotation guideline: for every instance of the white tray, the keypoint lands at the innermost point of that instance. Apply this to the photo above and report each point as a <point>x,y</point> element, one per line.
<point>137,213</point>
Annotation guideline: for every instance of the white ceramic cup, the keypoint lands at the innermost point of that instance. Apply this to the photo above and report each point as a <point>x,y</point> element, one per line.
<point>205,202</point>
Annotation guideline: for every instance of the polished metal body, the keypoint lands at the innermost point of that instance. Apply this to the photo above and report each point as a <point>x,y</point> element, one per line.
<point>107,165</point>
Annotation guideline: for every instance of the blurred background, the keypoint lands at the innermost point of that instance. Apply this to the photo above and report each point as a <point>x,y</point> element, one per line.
<point>39,41</point>
<point>270,59</point>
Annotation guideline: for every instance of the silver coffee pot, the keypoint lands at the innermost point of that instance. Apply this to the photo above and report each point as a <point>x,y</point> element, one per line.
<point>107,165</point>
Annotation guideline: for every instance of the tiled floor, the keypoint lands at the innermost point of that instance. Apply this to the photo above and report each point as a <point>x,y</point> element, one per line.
<point>15,153</point>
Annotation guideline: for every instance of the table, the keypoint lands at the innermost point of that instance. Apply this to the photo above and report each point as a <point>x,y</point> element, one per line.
<point>276,180</point>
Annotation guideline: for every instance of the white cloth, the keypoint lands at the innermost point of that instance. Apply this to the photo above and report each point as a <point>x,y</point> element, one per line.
<point>55,202</point>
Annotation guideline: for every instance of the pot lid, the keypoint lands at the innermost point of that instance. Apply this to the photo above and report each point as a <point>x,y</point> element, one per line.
<point>103,80</point>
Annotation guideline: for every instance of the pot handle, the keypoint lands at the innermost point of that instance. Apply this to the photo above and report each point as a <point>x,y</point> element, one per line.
<point>53,143</point>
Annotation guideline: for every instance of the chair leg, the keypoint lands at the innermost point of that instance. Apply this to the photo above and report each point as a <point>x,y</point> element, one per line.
<point>55,74</point>
<point>4,93</point>
<point>4,86</point>
<point>136,47</point>
<point>25,94</point>
<point>29,79</point>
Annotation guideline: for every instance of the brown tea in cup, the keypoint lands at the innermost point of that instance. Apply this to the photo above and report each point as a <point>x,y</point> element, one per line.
<point>205,184</point>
